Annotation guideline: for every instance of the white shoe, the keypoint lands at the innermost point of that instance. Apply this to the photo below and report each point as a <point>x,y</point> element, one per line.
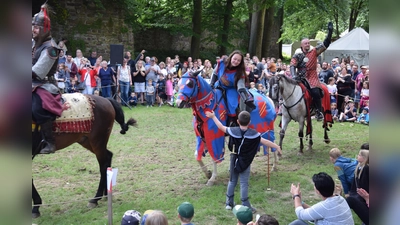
<point>228,207</point>
<point>147,106</point>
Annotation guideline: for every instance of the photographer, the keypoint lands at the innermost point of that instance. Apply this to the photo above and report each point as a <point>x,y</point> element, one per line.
<point>88,77</point>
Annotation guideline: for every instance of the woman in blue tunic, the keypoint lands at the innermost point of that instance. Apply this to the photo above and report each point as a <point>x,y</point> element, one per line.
<point>230,75</point>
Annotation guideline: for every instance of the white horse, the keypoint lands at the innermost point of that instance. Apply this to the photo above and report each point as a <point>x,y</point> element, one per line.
<point>296,106</point>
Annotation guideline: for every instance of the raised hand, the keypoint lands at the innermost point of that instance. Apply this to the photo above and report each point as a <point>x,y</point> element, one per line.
<point>330,26</point>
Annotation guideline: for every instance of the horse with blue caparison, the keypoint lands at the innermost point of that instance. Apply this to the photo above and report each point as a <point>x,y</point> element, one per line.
<point>202,97</point>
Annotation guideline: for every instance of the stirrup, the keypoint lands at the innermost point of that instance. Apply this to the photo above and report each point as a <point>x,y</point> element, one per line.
<point>50,148</point>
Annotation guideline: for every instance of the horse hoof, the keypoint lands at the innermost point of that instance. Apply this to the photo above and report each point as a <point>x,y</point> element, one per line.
<point>309,149</point>
<point>92,205</point>
<point>35,215</point>
<point>300,153</point>
<point>327,141</point>
<point>210,183</point>
<point>209,174</point>
<point>274,169</point>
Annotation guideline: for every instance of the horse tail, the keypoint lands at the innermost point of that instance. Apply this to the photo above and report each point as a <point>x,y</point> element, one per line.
<point>120,117</point>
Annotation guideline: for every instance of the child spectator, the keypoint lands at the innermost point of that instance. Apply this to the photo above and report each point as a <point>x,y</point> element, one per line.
<point>334,111</point>
<point>149,93</point>
<point>364,117</point>
<point>132,100</point>
<point>349,114</point>
<point>332,89</point>
<point>161,90</point>
<point>260,89</point>
<point>155,218</point>
<point>169,87</point>
<point>96,92</point>
<point>253,86</point>
<point>186,213</point>
<point>131,217</point>
<point>264,220</point>
<point>364,94</point>
<point>61,77</point>
<point>344,168</point>
<point>73,87</point>
<point>246,142</point>
<point>243,214</point>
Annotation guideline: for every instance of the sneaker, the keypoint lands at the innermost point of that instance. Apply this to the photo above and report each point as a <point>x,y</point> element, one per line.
<point>147,106</point>
<point>228,207</point>
<point>253,210</point>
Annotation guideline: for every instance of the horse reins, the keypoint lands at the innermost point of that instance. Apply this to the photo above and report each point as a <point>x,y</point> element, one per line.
<point>289,107</point>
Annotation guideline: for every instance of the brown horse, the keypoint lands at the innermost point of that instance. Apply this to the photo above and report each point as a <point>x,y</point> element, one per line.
<point>104,111</point>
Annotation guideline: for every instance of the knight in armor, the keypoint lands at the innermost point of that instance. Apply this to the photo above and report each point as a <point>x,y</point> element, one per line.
<point>305,60</point>
<point>46,98</point>
<point>230,75</point>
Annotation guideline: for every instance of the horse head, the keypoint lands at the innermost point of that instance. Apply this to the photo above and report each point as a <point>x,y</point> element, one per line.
<point>274,87</point>
<point>191,88</point>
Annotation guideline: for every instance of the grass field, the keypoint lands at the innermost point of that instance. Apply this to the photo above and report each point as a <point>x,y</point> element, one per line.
<point>157,170</point>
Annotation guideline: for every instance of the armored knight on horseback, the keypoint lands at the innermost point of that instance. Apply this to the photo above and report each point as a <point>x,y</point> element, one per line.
<point>305,60</point>
<point>46,98</point>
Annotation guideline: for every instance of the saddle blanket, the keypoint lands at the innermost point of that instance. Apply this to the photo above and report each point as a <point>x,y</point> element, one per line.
<point>77,115</point>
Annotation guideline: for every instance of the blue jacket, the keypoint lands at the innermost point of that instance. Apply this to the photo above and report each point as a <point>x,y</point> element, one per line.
<point>344,168</point>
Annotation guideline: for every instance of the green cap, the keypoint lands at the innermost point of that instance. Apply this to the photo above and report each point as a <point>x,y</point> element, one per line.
<point>186,210</point>
<point>243,213</point>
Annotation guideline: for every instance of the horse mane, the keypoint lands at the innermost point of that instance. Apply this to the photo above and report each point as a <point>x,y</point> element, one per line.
<point>287,79</point>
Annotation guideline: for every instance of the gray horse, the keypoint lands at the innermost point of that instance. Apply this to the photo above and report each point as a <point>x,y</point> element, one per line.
<point>296,105</point>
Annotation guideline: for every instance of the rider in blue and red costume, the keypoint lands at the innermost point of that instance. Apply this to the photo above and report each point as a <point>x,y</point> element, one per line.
<point>230,75</point>
<point>305,60</point>
<point>46,98</point>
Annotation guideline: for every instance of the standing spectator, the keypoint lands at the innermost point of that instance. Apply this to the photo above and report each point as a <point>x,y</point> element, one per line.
<point>246,142</point>
<point>61,77</point>
<point>88,76</point>
<point>162,68</point>
<point>93,57</point>
<point>185,67</point>
<point>78,58</point>
<point>208,70</point>
<point>359,84</point>
<point>325,73</point>
<point>106,75</point>
<point>139,78</point>
<point>332,89</point>
<point>169,87</point>
<point>152,72</point>
<point>178,66</point>
<point>344,168</point>
<point>171,68</point>
<point>186,213</point>
<point>360,187</point>
<point>343,84</point>
<point>272,66</point>
<point>161,96</point>
<point>258,68</point>
<point>364,94</point>
<point>61,57</point>
<point>279,65</point>
<point>335,63</point>
<point>62,45</point>
<point>71,68</point>
<point>132,63</point>
<point>149,93</point>
<point>72,88</point>
<point>331,210</point>
<point>124,79</point>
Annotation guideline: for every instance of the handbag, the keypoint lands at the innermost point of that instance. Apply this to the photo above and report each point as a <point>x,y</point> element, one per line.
<point>82,85</point>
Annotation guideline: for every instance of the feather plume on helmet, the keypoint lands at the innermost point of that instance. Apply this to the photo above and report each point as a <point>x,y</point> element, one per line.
<point>42,19</point>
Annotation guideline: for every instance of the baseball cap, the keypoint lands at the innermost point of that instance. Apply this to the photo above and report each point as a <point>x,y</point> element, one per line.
<point>145,215</point>
<point>186,210</point>
<point>243,213</point>
<point>131,217</point>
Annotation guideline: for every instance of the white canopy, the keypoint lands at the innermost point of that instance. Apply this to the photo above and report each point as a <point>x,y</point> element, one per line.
<point>354,45</point>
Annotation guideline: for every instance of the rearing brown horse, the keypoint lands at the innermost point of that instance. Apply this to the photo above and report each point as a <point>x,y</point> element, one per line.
<point>105,111</point>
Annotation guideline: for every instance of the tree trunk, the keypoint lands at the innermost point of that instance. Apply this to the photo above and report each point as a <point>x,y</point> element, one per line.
<point>356,6</point>
<point>225,28</point>
<point>257,31</point>
<point>196,21</point>
<point>268,31</point>
<point>279,22</point>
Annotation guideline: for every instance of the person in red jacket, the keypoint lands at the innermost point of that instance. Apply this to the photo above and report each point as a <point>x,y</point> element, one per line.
<point>88,77</point>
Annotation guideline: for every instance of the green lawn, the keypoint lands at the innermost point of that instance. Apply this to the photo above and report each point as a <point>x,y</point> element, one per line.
<point>158,170</point>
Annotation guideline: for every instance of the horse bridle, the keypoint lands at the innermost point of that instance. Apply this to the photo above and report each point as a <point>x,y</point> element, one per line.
<point>294,88</point>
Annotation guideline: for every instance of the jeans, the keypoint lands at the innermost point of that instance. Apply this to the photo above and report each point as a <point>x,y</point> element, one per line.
<point>154,95</point>
<point>106,91</point>
<point>88,90</point>
<point>244,184</point>
<point>149,100</point>
<point>124,88</point>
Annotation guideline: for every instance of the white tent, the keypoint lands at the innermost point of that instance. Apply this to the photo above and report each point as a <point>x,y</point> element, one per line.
<point>354,45</point>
